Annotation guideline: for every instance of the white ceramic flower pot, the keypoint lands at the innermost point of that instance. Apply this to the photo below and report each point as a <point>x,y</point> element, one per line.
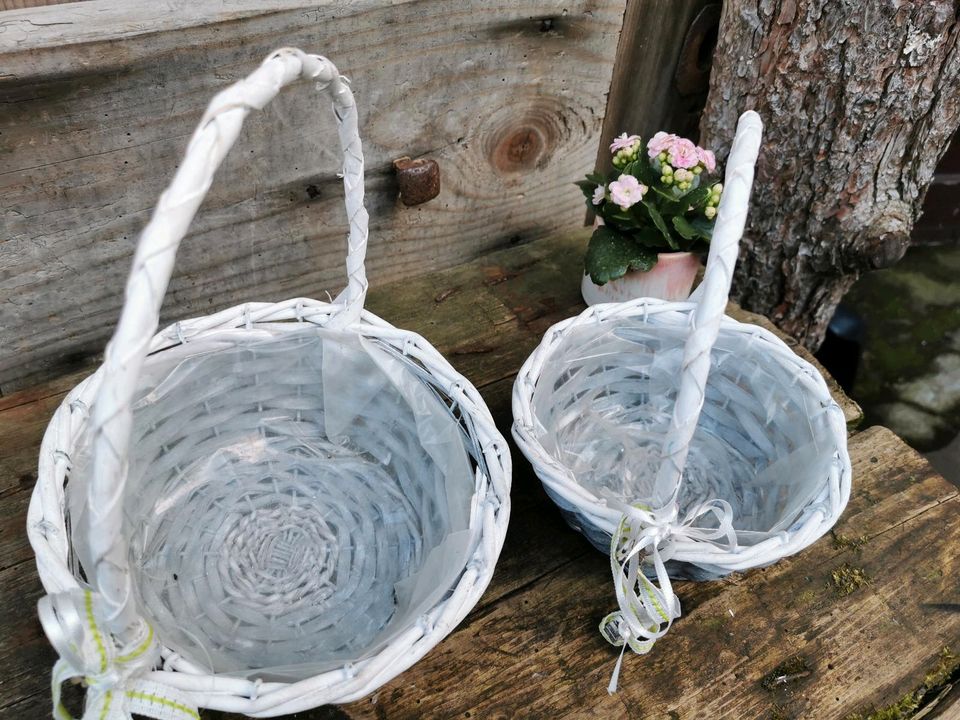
<point>670,279</point>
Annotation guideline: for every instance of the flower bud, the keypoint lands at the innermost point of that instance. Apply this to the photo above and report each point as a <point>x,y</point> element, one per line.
<point>710,212</point>
<point>698,169</point>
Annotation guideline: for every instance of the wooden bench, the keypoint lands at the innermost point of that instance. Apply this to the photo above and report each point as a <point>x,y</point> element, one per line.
<point>865,621</point>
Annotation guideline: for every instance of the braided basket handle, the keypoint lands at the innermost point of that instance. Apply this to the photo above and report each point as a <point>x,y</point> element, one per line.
<point>711,299</point>
<point>152,266</point>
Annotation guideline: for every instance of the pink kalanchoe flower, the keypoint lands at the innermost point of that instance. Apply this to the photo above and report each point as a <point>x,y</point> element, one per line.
<point>599,194</point>
<point>682,153</point>
<point>624,142</point>
<point>708,159</point>
<point>660,143</point>
<point>627,191</point>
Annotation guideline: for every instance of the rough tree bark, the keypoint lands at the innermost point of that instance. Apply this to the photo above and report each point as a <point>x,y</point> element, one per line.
<point>860,99</point>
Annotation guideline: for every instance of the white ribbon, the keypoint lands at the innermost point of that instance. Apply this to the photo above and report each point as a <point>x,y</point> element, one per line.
<point>73,622</point>
<point>647,610</point>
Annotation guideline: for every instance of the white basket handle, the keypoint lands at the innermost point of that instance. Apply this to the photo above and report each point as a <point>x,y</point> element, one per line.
<point>147,284</point>
<point>647,609</point>
<point>711,299</point>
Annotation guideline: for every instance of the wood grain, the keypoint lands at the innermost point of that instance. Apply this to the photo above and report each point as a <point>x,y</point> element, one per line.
<point>100,98</point>
<point>486,316</point>
<point>537,653</point>
<point>645,95</point>
<point>21,4</point>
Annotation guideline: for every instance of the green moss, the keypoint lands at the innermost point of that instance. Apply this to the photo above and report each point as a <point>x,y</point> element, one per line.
<point>945,672</point>
<point>910,315</point>
<point>846,579</point>
<point>930,573</point>
<point>792,669</point>
<point>844,542</point>
<point>714,622</point>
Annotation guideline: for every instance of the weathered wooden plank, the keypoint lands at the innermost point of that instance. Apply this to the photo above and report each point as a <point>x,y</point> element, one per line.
<point>486,316</point>
<point>735,652</point>
<point>21,4</point>
<point>660,81</point>
<point>100,98</point>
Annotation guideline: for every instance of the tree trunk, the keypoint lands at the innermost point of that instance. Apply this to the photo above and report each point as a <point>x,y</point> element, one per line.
<point>860,99</point>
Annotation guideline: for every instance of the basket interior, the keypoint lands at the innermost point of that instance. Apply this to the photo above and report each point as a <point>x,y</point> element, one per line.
<point>295,498</point>
<point>605,399</point>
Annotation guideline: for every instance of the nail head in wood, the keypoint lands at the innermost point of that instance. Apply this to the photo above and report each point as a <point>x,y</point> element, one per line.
<point>419,180</point>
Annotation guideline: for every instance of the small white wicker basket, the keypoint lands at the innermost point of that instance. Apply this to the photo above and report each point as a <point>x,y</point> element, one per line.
<point>683,443</point>
<point>275,507</point>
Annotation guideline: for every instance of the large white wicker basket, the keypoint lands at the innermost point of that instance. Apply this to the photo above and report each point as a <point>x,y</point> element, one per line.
<point>681,442</point>
<point>275,507</point>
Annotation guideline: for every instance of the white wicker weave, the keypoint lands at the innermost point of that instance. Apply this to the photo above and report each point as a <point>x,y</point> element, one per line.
<point>680,441</point>
<point>299,498</point>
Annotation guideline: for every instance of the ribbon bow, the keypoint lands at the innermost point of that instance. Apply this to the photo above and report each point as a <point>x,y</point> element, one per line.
<point>646,610</point>
<point>110,669</point>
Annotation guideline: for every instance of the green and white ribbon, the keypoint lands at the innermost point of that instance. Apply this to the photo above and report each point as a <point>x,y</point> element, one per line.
<point>111,670</point>
<point>645,536</point>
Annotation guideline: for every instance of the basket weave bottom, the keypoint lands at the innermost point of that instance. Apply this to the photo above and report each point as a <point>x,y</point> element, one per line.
<point>286,551</point>
<point>295,501</point>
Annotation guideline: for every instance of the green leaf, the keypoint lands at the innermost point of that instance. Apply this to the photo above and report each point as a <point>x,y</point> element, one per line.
<point>617,218</point>
<point>665,192</point>
<point>703,228</point>
<point>683,226</point>
<point>643,171</point>
<point>651,238</point>
<point>587,187</point>
<point>659,223</point>
<point>695,198</point>
<point>610,255</point>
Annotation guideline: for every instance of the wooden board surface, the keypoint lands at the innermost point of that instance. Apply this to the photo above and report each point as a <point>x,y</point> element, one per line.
<point>21,4</point>
<point>801,639</point>
<point>100,97</point>
<point>662,72</point>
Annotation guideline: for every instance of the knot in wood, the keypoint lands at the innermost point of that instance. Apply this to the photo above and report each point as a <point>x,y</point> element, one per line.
<point>521,148</point>
<point>884,240</point>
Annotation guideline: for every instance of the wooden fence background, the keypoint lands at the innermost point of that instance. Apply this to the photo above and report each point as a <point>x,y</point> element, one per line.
<point>99,97</point>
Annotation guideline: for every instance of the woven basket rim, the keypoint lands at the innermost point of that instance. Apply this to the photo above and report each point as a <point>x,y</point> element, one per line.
<point>49,535</point>
<point>832,497</point>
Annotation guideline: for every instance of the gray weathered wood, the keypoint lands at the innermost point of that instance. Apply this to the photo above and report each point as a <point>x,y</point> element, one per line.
<point>20,4</point>
<point>860,100</point>
<point>645,95</point>
<point>99,98</point>
<point>787,641</point>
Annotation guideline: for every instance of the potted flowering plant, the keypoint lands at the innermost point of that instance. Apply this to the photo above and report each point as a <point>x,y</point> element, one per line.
<point>654,217</point>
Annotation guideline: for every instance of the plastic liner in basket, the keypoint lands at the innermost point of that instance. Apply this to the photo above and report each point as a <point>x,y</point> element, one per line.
<point>337,478</point>
<point>682,443</point>
<point>267,509</point>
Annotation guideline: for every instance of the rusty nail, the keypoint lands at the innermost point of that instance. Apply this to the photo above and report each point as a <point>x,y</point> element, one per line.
<point>419,179</point>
